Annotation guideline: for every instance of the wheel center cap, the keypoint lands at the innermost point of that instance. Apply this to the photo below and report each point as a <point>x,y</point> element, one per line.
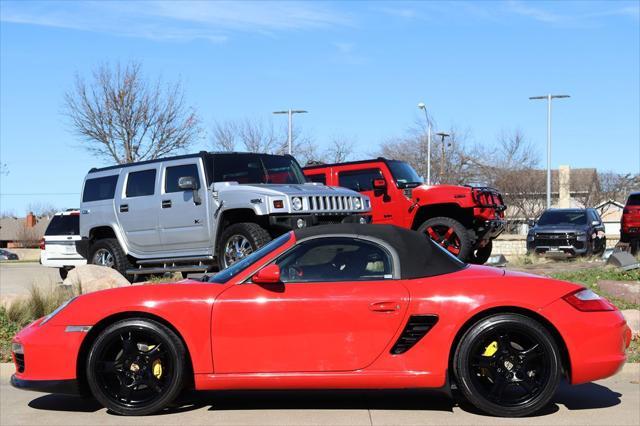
<point>134,367</point>
<point>508,365</point>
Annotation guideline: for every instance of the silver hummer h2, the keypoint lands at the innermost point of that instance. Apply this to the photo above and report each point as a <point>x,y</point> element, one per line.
<point>192,212</point>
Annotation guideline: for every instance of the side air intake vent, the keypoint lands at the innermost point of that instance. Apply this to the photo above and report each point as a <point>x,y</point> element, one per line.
<point>417,327</point>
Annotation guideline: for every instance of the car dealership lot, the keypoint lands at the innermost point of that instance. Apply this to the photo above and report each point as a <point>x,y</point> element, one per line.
<point>613,401</point>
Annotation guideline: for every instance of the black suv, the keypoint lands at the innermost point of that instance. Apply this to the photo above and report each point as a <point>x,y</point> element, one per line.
<point>573,232</point>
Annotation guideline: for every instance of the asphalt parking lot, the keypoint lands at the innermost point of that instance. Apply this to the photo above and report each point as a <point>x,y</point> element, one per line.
<point>613,401</point>
<point>18,278</point>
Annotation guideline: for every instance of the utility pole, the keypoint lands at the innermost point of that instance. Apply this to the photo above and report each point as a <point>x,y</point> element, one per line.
<point>290,113</point>
<point>549,97</point>
<point>423,107</point>
<point>442,135</point>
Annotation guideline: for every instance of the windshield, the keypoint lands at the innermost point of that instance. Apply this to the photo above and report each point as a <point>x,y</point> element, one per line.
<point>257,168</point>
<point>233,270</point>
<point>64,225</point>
<point>404,174</point>
<point>557,217</point>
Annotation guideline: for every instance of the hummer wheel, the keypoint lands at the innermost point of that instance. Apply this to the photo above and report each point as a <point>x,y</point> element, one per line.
<point>240,240</point>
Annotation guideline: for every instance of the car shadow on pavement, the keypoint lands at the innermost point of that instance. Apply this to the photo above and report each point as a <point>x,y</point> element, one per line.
<point>580,397</point>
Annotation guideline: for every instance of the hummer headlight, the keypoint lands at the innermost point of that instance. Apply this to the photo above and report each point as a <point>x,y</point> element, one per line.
<point>357,203</point>
<point>296,203</point>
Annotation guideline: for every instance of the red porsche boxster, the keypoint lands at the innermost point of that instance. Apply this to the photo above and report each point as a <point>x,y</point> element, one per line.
<point>338,306</point>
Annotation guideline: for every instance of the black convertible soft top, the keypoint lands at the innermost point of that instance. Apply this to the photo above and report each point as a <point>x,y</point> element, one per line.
<point>419,256</point>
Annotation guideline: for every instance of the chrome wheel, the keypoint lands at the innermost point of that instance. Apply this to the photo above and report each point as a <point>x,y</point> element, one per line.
<point>236,248</point>
<point>103,257</point>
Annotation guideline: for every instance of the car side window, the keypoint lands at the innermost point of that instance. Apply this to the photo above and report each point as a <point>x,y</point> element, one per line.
<point>174,173</point>
<point>321,178</point>
<point>335,259</point>
<point>141,183</point>
<point>359,180</point>
<point>102,188</point>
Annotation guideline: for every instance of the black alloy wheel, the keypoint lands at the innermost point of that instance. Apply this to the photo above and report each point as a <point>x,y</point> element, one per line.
<point>136,367</point>
<point>508,365</point>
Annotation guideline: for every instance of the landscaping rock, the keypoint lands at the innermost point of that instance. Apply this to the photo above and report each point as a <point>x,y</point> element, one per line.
<point>632,316</point>
<point>89,278</point>
<point>629,291</point>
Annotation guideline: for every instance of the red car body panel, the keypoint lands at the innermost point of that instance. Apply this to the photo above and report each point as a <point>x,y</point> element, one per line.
<point>327,335</point>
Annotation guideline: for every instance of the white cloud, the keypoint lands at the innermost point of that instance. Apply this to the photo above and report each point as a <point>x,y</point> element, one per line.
<point>165,20</point>
<point>574,19</point>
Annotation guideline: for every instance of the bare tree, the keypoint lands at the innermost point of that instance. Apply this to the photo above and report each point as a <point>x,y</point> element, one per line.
<point>617,186</point>
<point>340,150</point>
<point>40,209</point>
<point>122,117</point>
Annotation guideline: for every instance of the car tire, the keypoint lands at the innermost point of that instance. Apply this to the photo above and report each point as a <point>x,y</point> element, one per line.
<point>450,234</point>
<point>524,361</point>
<point>246,237</point>
<point>107,252</point>
<point>122,364</point>
<point>481,255</point>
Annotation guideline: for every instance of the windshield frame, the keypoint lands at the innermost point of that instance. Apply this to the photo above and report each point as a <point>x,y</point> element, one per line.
<point>402,183</point>
<point>215,171</point>
<point>226,275</point>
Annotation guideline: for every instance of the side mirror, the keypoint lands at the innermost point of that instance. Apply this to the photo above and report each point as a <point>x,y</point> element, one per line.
<point>379,184</point>
<point>267,275</point>
<point>595,223</point>
<point>189,183</point>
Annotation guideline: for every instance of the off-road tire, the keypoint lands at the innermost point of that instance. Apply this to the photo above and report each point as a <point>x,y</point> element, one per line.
<point>175,351</point>
<point>481,255</point>
<point>120,259</point>
<point>479,397</point>
<point>254,233</point>
<point>462,233</point>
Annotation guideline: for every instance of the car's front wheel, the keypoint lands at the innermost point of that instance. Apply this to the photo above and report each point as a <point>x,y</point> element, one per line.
<point>240,240</point>
<point>450,234</point>
<point>507,365</point>
<point>136,367</point>
<point>107,252</point>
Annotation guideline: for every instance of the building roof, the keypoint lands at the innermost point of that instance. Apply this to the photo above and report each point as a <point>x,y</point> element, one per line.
<point>13,228</point>
<point>418,255</point>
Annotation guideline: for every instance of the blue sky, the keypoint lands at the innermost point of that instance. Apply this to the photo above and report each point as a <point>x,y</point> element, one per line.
<point>360,68</point>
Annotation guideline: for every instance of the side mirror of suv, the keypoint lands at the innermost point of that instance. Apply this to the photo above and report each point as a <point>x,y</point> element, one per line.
<point>189,183</point>
<point>379,186</point>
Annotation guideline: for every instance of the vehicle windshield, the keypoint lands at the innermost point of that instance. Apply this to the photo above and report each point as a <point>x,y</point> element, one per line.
<point>634,200</point>
<point>563,217</point>
<point>404,174</point>
<point>226,274</point>
<point>64,225</point>
<point>256,169</point>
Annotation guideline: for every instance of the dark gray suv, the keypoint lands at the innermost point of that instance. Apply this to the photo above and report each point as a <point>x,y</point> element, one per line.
<point>572,232</point>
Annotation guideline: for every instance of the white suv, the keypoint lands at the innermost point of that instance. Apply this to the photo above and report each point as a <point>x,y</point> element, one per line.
<point>58,247</point>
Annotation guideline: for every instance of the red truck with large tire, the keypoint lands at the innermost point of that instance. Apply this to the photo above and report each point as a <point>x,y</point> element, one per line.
<point>463,219</point>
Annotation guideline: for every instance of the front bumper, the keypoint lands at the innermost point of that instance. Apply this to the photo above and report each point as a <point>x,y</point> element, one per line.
<point>489,229</point>
<point>569,250</point>
<point>288,222</point>
<point>69,387</point>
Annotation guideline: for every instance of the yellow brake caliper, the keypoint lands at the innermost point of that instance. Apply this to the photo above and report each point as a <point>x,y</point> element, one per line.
<point>489,351</point>
<point>156,367</point>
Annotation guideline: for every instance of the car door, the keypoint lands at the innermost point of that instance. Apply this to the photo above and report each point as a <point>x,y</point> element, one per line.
<point>137,210</point>
<point>183,220</point>
<point>338,307</point>
<point>361,180</point>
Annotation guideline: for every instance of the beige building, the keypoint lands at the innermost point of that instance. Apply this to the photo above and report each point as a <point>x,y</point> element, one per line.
<point>22,232</point>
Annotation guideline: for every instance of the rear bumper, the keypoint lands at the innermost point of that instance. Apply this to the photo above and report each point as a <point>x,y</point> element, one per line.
<point>69,387</point>
<point>596,341</point>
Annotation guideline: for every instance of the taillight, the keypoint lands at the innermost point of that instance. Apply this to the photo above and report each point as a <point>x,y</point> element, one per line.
<point>588,301</point>
<point>42,244</point>
<point>626,211</point>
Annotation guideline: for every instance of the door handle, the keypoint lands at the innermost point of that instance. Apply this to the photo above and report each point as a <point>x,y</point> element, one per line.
<point>384,306</point>
<point>166,204</point>
<point>124,208</point>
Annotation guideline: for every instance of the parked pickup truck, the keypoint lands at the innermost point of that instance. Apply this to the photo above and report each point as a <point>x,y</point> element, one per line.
<point>463,219</point>
<point>193,212</point>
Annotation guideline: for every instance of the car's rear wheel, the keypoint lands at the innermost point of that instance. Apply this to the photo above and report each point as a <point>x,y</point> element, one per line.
<point>450,234</point>
<point>107,252</point>
<point>507,365</point>
<point>481,255</point>
<point>240,240</point>
<point>136,367</point>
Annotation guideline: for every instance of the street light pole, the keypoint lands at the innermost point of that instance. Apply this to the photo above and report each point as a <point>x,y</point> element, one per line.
<point>442,135</point>
<point>290,113</point>
<point>549,97</point>
<point>423,107</point>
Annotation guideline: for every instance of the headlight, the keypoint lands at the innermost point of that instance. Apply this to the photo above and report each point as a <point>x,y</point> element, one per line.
<point>296,203</point>
<point>56,311</point>
<point>357,203</point>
